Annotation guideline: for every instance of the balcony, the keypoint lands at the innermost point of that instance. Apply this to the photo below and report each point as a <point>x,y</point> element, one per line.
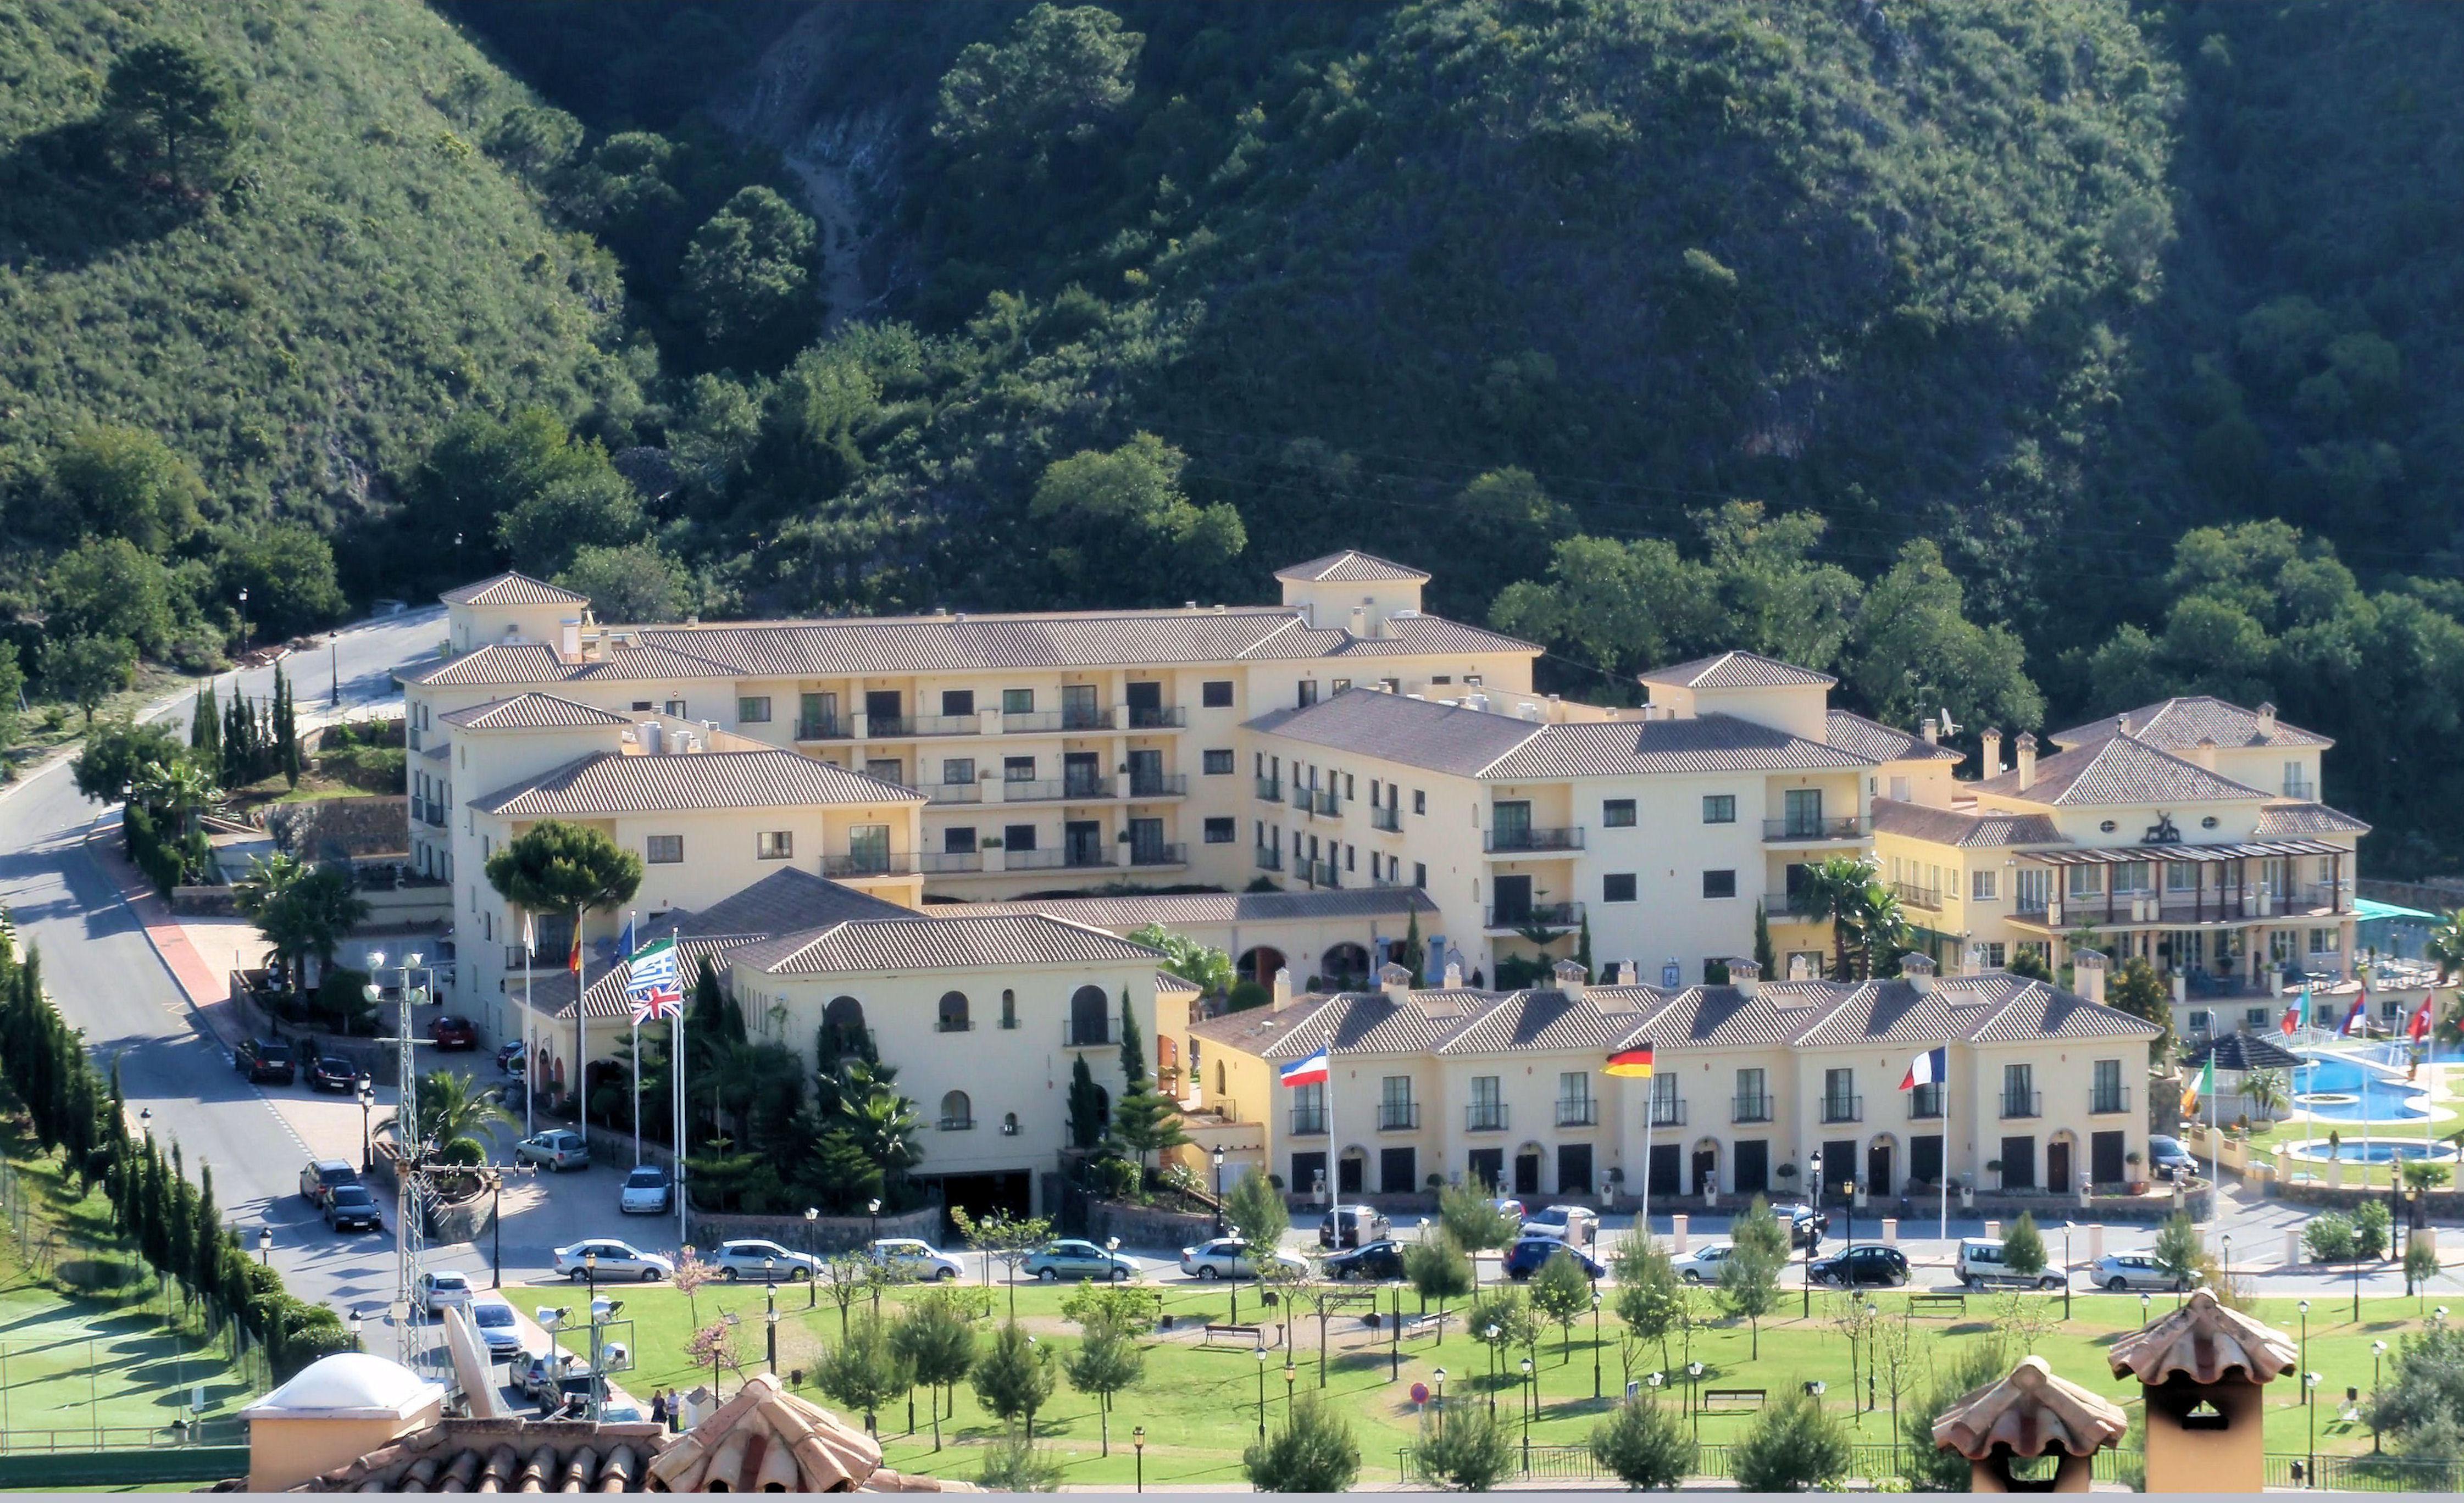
<point>1269,860</point>
<point>1839,827</point>
<point>1382,817</point>
<point>941,726</point>
<point>1157,717</point>
<point>1085,789</point>
<point>1667,1113</point>
<point>2183,909</point>
<point>869,863</point>
<point>1783,906</point>
<point>1031,722</point>
<point>1029,789</point>
<point>879,728</point>
<point>427,811</point>
<point>1541,915</point>
<point>1309,1122</point>
<point>1844,1108</point>
<point>2022,1103</point>
<point>1398,1116</point>
<point>944,863</point>
<point>1578,1114</point>
<point>2303,789</point>
<point>1485,1117</point>
<point>1321,874</point>
<point>1158,785</point>
<point>1500,842</point>
<point>2108,1100</point>
<point>1093,1032</point>
<point>1750,1109</point>
<point>953,1025</point>
<point>1304,799</point>
<point>1055,860</point>
<point>820,731</point>
<point>1158,854</point>
<point>1328,803</point>
<point>1912,896</point>
<point>1272,789</point>
<point>1925,1104</point>
<point>954,794</point>
<point>957,1124</point>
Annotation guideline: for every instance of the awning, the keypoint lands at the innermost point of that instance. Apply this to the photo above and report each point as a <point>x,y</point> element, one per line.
<point>2234,851</point>
<point>2366,909</point>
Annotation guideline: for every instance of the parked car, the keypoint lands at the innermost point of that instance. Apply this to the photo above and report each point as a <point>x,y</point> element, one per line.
<point>1525,1258</point>
<point>2124,1272</point>
<point>2168,1159</point>
<point>1703,1265</point>
<point>510,1058</point>
<point>1805,1224</point>
<point>263,1059</point>
<point>617,1260</point>
<point>1868,1266</point>
<point>752,1257</point>
<point>912,1257</point>
<point>646,1191</point>
<point>1224,1257</point>
<point>440,1287</point>
<point>560,1149</point>
<point>497,1327</point>
<point>1377,1260</point>
<point>454,1033</point>
<point>1980,1264</point>
<point>1360,1224</point>
<point>317,1179</point>
<point>1075,1259</point>
<point>331,1073</point>
<point>350,1207</point>
<point>1508,1206</point>
<point>541,1375</point>
<point>1575,1226</point>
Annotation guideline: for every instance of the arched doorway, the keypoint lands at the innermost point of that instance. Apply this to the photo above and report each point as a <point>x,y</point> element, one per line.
<point>843,1025</point>
<point>953,1017</point>
<point>1352,1171</point>
<point>1260,965</point>
<point>1090,1016</point>
<point>1703,1172</point>
<point>1881,1165</point>
<point>1345,966</point>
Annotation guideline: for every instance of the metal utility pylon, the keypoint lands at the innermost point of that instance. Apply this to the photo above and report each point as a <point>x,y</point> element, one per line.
<point>409,1243</point>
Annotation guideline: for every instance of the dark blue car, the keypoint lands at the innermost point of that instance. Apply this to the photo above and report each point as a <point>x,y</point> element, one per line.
<point>1525,1258</point>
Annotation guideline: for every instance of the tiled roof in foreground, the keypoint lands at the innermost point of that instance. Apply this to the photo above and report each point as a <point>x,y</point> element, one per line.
<point>530,712</point>
<point>1961,827</point>
<point>512,589</point>
<point>929,942</point>
<point>2179,724</point>
<point>612,783</point>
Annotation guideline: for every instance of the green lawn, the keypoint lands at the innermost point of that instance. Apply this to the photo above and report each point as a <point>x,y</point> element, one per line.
<point>1200,1407</point>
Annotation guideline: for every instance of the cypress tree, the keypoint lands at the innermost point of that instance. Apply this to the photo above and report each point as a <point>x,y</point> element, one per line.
<point>1583,948</point>
<point>286,730</point>
<point>205,727</point>
<point>1415,954</point>
<point>179,1216</point>
<point>1133,1047</point>
<point>205,1240</point>
<point>1764,955</point>
<point>1085,1106</point>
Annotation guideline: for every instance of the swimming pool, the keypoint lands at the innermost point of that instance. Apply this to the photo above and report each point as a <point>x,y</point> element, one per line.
<point>2335,1089</point>
<point>2355,1151</point>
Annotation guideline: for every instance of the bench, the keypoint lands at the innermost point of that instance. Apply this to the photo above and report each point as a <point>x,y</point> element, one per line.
<point>1734,1398</point>
<point>1250,1335</point>
<point>1426,1325</point>
<point>1917,1302</point>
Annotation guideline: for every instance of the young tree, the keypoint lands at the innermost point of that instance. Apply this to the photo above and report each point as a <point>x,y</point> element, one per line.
<point>1749,1278</point>
<point>451,1116</point>
<point>2023,1247</point>
<point>2371,1222</point>
<point>937,1335</point>
<point>2420,1266</point>
<point>1087,1114</point>
<point>1107,1360</point>
<point>1257,1208</point>
<point>1467,1213</point>
<point>1644,1444</point>
<point>1765,956</point>
<point>1004,1239</point>
<point>86,670</point>
<point>1963,1370</point>
<point>178,105</point>
<point>1438,1270</point>
<point>1503,1319</point>
<point>2178,1247</point>
<point>1795,1445</point>
<point>867,1371</point>
<point>1015,1378</point>
<point>1314,1452</point>
<point>1015,1464</point>
<point>1648,1293</point>
<point>636,581</point>
<point>1466,1452</point>
<point>1561,1292</point>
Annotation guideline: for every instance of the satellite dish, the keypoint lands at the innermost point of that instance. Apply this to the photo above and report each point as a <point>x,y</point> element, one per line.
<point>1949,726</point>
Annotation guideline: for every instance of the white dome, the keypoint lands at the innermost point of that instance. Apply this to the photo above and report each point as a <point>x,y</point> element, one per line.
<point>348,1386</point>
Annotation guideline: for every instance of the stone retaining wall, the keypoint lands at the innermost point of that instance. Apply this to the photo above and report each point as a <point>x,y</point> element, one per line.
<point>827,1234</point>
<point>1148,1226</point>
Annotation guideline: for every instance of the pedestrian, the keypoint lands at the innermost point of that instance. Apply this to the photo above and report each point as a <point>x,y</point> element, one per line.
<point>675,1411</point>
<point>659,1408</point>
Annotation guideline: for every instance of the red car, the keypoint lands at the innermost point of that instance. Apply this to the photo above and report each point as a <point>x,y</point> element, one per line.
<point>454,1033</point>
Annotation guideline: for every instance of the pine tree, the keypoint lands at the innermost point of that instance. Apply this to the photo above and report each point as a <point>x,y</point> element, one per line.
<point>1414,954</point>
<point>205,1240</point>
<point>1134,1048</point>
<point>206,729</point>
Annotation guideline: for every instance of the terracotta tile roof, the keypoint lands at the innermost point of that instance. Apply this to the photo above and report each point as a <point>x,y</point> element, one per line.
<point>2202,1342</point>
<point>1347,567</point>
<point>1736,669</point>
<point>553,994</point>
<point>2030,1413</point>
<point>1699,743</point>
<point>1957,827</point>
<point>499,662</point>
<point>768,1440</point>
<point>2283,820</point>
<point>611,783</point>
<point>1851,731</point>
<point>1184,910</point>
<point>512,589</point>
<point>2179,724</point>
<point>1354,1022</point>
<point>2038,1010</point>
<point>504,1456</point>
<point>1601,1019</point>
<point>1412,635</point>
<point>1169,985</point>
<point>928,941</point>
<point>2118,769</point>
<point>656,660</point>
<point>530,712</point>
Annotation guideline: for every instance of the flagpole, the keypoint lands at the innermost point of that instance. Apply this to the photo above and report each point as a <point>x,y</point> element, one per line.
<point>636,1112</point>
<point>530,1050</point>
<point>1942,1232</point>
<point>676,1091</point>
<point>1334,1153</point>
<point>580,1025</point>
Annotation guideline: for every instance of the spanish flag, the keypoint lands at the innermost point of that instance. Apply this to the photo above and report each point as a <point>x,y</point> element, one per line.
<point>1634,1064</point>
<point>2202,1084</point>
<point>573,957</point>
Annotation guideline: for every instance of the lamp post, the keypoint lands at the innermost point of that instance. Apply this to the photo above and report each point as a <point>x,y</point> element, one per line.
<point>770,1306</point>
<point>1531,1396</point>
<point>1488,1339</point>
<point>1596,1339</point>
<point>590,1271</point>
<point>355,1330</point>
<point>2304,1308</point>
<point>1693,1398</point>
<point>1290,1373</point>
<point>2378,1352</point>
<point>2066,1270</point>
<point>1813,1199</point>
<point>1235,1234</point>
<point>770,1332</point>
<point>1218,1156</point>
<point>2357,1290</point>
<point>146,1121</point>
<point>2310,1401</point>
<point>872,1210</point>
<point>1872,1315</point>
<point>243,620</point>
<point>2224,1274</point>
<point>368,1133</point>
<point>265,1245</point>
<point>1138,1443</point>
<point>2144,1316</point>
<point>1262,1395</point>
<point>813,1279</point>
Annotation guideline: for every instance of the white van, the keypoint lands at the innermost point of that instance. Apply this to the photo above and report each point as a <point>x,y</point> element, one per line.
<point>1575,1226</point>
<point>1980,1263</point>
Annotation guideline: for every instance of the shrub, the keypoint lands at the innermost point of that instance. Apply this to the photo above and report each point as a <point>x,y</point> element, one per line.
<point>1795,1447</point>
<point>1466,1452</point>
<point>1246,996</point>
<point>2023,1247</point>
<point>1016,1463</point>
<point>1314,1453</point>
<point>2371,1222</point>
<point>1645,1443</point>
<point>2329,1237</point>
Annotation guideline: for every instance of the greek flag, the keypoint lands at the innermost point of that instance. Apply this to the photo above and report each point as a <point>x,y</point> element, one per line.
<point>655,983</point>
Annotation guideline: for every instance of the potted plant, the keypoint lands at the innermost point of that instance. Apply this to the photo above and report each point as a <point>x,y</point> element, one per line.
<point>1787,1171</point>
<point>1994,1167</point>
<point>2137,1181</point>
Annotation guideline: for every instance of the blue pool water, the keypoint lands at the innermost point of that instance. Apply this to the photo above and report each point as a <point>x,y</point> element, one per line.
<point>2366,1094</point>
<point>2357,1151</point>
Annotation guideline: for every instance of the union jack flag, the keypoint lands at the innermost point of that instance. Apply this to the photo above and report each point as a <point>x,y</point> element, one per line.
<point>654,984</point>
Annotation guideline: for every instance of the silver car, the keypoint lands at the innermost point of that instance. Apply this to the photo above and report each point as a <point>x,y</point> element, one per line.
<point>752,1257</point>
<point>610,1260</point>
<point>2125,1272</point>
<point>1704,1264</point>
<point>1227,1258</point>
<point>912,1257</point>
<point>559,1149</point>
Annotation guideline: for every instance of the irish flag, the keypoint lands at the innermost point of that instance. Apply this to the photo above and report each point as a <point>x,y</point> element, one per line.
<point>1312,1071</point>
<point>2204,1084</point>
<point>1931,1068</point>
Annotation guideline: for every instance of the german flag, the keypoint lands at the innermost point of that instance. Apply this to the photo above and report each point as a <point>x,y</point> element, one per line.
<point>1634,1064</point>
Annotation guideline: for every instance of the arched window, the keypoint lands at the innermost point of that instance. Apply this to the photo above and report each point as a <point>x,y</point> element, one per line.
<point>842,1020</point>
<point>1009,1124</point>
<point>1222,1086</point>
<point>953,1013</point>
<point>1009,1008</point>
<point>958,1113</point>
<point>1090,1016</point>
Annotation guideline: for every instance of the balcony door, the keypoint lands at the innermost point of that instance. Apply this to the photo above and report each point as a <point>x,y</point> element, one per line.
<point>1084,842</point>
<point>1510,822</point>
<point>882,705</point>
<point>1145,699</point>
<point>1801,809</point>
<point>869,848</point>
<point>1078,707</point>
<point>817,715</point>
<point>1513,900</point>
<point>1146,842</point>
<point>1146,771</point>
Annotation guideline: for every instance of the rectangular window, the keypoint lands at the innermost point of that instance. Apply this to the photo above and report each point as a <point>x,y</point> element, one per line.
<point>1753,1099</point>
<point>2084,882</point>
<point>2325,941</point>
<point>1419,874</point>
<point>774,845</point>
<point>1348,793</point>
<point>959,839</point>
<point>664,850</point>
<point>1995,954</point>
<point>1349,862</point>
<point>2181,876</point>
<point>1717,809</point>
<point>1901,788</point>
<point>1801,810</point>
<point>1217,762</point>
<point>1221,831</point>
<point>2133,877</point>
<point>1720,883</point>
<point>676,708</point>
<point>642,706</point>
<point>958,770</point>
<point>2031,888</point>
<point>1442,678</point>
<point>2018,1090</point>
<point>753,709</point>
<point>1419,801</point>
<point>1018,702</point>
<point>1340,686</point>
<point>959,703</point>
<point>1617,887</point>
<point>1017,836</point>
<point>1617,813</point>
<point>1215,695</point>
<point>1980,886</point>
<point>889,769</point>
<point>1018,770</point>
<point>1307,693</point>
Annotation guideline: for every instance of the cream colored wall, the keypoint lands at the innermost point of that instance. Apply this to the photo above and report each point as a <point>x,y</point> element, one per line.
<point>472,627</point>
<point>284,1454</point>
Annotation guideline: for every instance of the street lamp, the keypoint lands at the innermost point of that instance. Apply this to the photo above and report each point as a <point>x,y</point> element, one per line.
<point>1290,1373</point>
<point>355,1330</point>
<point>146,1121</point>
<point>1530,1396</point>
<point>367,1138</point>
<point>1234,1232</point>
<point>2144,1316</point>
<point>1138,1443</point>
<point>1218,1190</point>
<point>243,620</point>
<point>1488,1339</point>
<point>1262,1395</point>
<point>1814,1197</point>
<point>1872,1315</point>
<point>872,1210</point>
<point>770,1324</point>
<point>591,1271</point>
<point>2378,1351</point>
<point>265,1245</point>
<point>2225,1274</point>
<point>1694,1397</point>
<point>2067,1271</point>
<point>1596,1340</point>
<point>770,1305</point>
<point>813,1279</point>
<point>2310,1401</point>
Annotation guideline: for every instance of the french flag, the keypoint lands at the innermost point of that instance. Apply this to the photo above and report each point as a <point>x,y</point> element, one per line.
<point>1310,1071</point>
<point>1931,1068</point>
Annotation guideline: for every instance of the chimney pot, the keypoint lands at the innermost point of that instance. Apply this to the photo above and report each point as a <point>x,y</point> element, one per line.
<point>1917,970</point>
<point>1932,731</point>
<point>1988,754</point>
<point>1454,975</point>
<point>2027,760</point>
<point>2205,753</point>
<point>1283,987</point>
<point>1394,980</point>
<point>1745,975</point>
<point>2266,721</point>
<point>2088,973</point>
<point>1570,977</point>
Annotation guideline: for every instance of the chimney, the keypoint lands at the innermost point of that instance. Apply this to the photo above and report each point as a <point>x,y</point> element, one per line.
<point>1630,972</point>
<point>1454,975</point>
<point>1745,975</point>
<point>1932,731</point>
<point>2088,975</point>
<point>2266,722</point>
<point>1570,977</point>
<point>569,640</point>
<point>650,735</point>
<point>1361,621</point>
<point>1283,987</point>
<point>2205,753</point>
<point>1988,754</point>
<point>1396,981</point>
<point>2027,760</point>
<point>1917,970</point>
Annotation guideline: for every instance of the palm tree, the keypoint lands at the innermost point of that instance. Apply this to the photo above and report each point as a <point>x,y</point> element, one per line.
<point>2266,1091</point>
<point>2446,944</point>
<point>450,1117</point>
<point>1881,925</point>
<point>1833,890</point>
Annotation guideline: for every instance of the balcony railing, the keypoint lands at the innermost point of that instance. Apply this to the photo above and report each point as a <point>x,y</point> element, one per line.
<point>2108,1100</point>
<point>2023,1103</point>
<point>957,1125</point>
<point>1323,874</point>
<point>1087,788</point>
<point>1485,1117</point>
<point>867,863</point>
<point>1269,860</point>
<point>1398,1116</point>
<point>1029,789</point>
<point>1272,789</point>
<point>1086,1033</point>
<point>1157,717</point>
<point>2300,788</point>
<point>1837,827</point>
<point>1158,854</point>
<point>1309,1122</point>
<point>1054,861</point>
<point>878,727</point>
<point>1543,915</point>
<point>430,810</point>
<point>1578,1114</point>
<point>1844,1108</point>
<point>1303,798</point>
<point>1382,817</point>
<point>823,730</point>
<point>953,1025</point>
<point>1158,785</point>
<point>1328,803</point>
<point>1046,721</point>
<point>1925,1104</point>
<point>941,863</point>
<point>1787,905</point>
<point>954,794</point>
<point>1669,1113</point>
<point>1912,896</point>
<point>942,726</point>
<point>1498,841</point>
<point>1750,1109</point>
